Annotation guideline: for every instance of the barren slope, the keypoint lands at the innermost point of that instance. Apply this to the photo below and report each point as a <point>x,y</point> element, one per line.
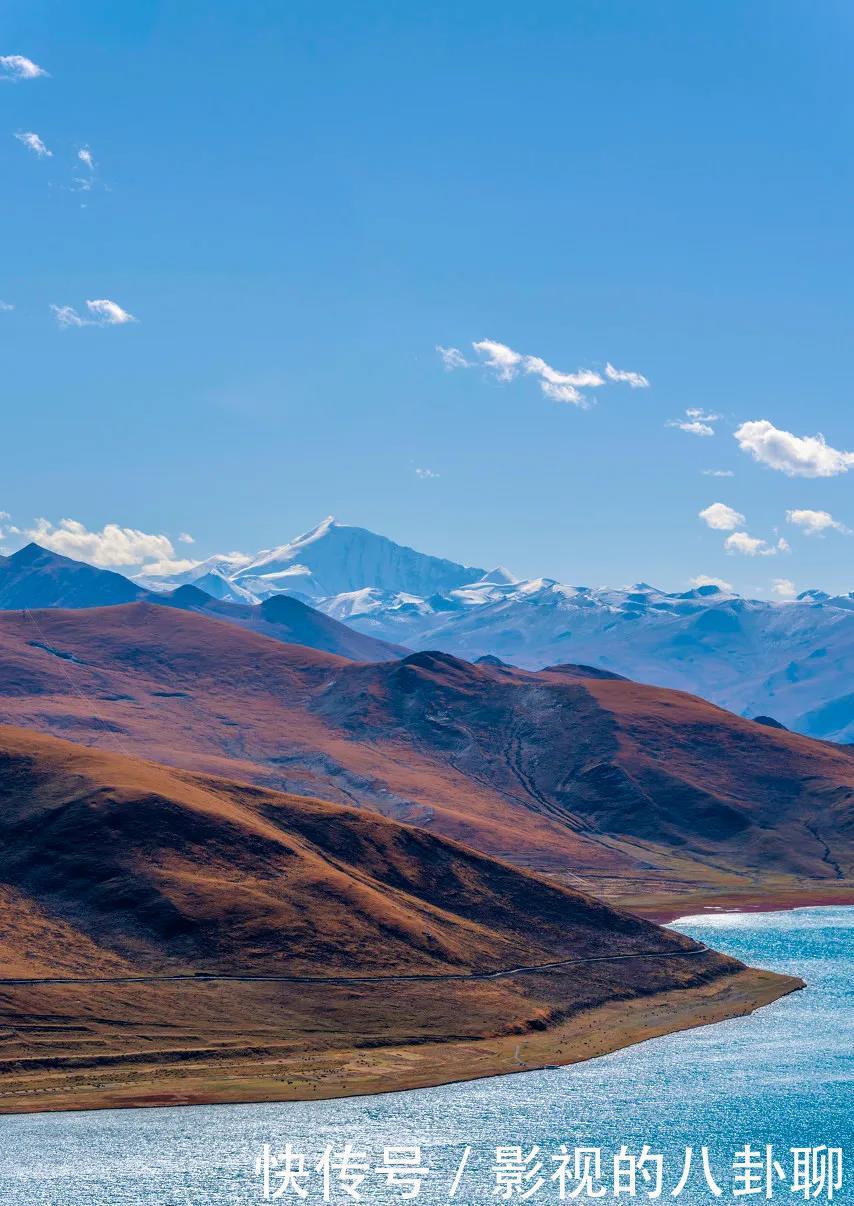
<point>172,937</point>
<point>639,791</point>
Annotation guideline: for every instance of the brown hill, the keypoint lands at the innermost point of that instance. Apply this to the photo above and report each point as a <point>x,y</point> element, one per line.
<point>168,869</point>
<point>124,881</point>
<point>289,620</point>
<point>642,793</point>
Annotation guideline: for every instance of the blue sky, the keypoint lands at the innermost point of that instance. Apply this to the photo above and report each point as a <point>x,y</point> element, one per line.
<point>298,203</point>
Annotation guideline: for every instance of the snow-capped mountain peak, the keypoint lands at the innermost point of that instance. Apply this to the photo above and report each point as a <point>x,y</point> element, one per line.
<point>791,659</point>
<point>334,559</point>
<point>498,576</point>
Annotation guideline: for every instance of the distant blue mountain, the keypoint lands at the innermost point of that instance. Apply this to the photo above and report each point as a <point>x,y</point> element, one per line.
<point>35,577</point>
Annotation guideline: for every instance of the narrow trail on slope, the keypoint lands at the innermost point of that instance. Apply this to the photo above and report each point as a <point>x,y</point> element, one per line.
<point>213,977</point>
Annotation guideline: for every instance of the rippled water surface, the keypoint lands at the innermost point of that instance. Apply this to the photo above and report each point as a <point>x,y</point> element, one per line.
<point>781,1077</point>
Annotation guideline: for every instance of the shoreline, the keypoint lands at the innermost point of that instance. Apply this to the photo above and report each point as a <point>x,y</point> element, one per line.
<point>364,1070</point>
<point>664,911</point>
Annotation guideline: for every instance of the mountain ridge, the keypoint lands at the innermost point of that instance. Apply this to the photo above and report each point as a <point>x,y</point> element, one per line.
<point>613,784</point>
<point>789,659</point>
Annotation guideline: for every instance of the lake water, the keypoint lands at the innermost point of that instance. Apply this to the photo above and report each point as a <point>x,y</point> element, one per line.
<point>782,1077</point>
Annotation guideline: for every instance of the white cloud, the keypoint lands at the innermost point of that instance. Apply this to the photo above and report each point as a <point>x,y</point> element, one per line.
<point>67,316</point>
<point>5,307</point>
<point>186,538</point>
<point>721,517</point>
<point>109,312</point>
<point>506,364</point>
<point>452,358</point>
<point>425,474</point>
<point>167,566</point>
<point>751,546</point>
<point>105,313</point>
<point>706,580</point>
<point>816,523</point>
<point>112,546</point>
<point>694,427</point>
<point>559,386</point>
<point>784,588</point>
<point>35,144</point>
<point>85,156</point>
<point>635,380</point>
<point>717,473</point>
<point>697,423</point>
<point>503,360</point>
<point>797,456</point>
<point>18,67</point>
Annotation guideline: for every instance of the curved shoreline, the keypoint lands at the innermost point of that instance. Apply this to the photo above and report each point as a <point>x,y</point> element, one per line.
<point>365,1067</point>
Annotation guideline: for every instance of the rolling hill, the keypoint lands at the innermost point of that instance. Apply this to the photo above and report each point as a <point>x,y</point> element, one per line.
<point>645,795</point>
<point>287,619</point>
<point>171,936</point>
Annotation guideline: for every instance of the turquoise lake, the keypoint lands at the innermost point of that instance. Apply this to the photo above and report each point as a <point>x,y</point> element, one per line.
<point>781,1077</point>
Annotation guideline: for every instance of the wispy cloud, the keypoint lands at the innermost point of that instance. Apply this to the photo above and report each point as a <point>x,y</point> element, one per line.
<point>111,547</point>
<point>816,523</point>
<point>693,427</point>
<point>501,359</point>
<point>722,518</point>
<point>18,67</point>
<point>86,182</point>
<point>506,364</point>
<point>6,528</point>
<point>707,580</point>
<point>797,456</point>
<point>102,311</point>
<point>717,473</point>
<point>697,422</point>
<point>562,387</point>
<point>109,312</point>
<point>67,316</point>
<point>635,380</point>
<point>186,538</point>
<point>34,143</point>
<point>452,358</point>
<point>425,474</point>
<point>752,546</point>
<point>5,307</point>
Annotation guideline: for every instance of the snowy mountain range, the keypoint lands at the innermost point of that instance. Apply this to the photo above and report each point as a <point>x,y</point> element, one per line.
<point>330,560</point>
<point>791,660</point>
